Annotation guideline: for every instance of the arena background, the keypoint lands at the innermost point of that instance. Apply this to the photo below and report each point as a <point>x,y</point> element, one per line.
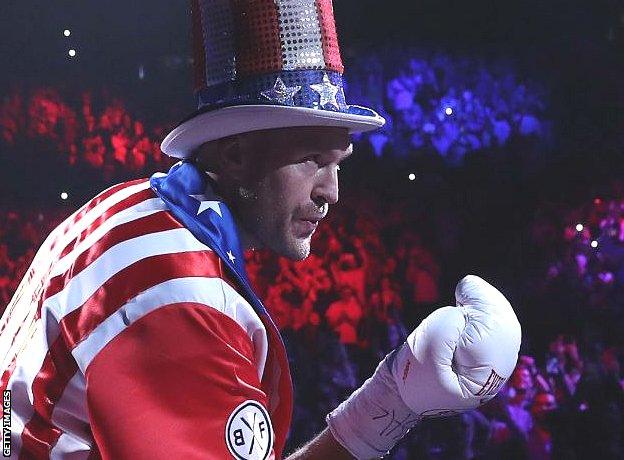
<point>502,157</point>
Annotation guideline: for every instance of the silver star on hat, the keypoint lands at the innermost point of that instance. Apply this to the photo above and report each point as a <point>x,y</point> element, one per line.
<point>327,91</point>
<point>280,93</point>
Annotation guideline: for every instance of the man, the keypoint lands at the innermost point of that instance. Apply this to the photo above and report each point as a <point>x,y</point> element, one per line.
<point>136,334</point>
<point>344,315</point>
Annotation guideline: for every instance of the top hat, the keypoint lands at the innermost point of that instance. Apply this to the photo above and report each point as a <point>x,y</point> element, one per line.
<point>265,64</point>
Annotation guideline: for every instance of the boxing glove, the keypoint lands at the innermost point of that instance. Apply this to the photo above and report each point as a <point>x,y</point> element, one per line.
<point>455,360</point>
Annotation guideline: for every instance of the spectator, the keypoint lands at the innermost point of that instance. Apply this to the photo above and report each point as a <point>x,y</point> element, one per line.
<point>540,445</point>
<point>349,271</point>
<point>344,315</point>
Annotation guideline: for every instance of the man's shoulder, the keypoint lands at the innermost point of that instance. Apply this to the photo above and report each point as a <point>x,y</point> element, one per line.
<point>125,231</point>
<point>124,213</point>
<point>123,255</point>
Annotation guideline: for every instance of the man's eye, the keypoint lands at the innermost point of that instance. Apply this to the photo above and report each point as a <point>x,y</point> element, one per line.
<point>318,161</point>
<point>313,159</point>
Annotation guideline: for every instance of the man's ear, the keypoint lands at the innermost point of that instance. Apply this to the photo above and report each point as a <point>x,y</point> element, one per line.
<point>235,157</point>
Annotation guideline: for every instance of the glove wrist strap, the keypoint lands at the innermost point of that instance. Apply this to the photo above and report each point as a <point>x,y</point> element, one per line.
<point>374,418</point>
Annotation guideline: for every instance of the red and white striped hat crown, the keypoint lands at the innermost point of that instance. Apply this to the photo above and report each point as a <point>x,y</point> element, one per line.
<point>264,64</point>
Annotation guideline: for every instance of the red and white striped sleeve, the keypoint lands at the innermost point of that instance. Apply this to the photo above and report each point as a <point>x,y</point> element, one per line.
<point>167,385</point>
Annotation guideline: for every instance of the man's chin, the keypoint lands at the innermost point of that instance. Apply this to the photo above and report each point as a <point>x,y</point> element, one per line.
<point>298,249</point>
<point>289,246</point>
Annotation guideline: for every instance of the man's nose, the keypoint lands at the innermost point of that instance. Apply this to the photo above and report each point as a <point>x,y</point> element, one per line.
<point>326,188</point>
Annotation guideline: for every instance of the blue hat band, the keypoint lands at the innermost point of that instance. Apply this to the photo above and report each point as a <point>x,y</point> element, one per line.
<point>314,89</point>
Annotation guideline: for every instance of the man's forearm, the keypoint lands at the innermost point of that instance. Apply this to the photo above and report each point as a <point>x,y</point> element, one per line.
<point>323,446</point>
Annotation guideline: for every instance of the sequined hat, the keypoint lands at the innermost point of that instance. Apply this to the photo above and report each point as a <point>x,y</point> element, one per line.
<point>263,64</point>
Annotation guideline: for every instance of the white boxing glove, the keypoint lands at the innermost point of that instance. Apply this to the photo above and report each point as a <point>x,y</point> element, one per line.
<point>456,359</point>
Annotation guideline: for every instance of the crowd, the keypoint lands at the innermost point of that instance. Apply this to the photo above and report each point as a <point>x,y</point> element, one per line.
<point>583,276</point>
<point>447,105</point>
<point>21,234</point>
<point>94,131</point>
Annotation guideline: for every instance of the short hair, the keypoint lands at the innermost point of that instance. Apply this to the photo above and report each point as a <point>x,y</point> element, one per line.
<point>206,155</point>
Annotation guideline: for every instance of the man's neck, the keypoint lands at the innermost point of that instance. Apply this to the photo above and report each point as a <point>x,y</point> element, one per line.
<point>246,239</point>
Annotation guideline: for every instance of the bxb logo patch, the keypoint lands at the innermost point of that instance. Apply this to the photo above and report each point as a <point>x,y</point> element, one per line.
<point>248,433</point>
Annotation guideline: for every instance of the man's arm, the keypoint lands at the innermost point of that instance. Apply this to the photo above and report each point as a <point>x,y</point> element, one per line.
<point>166,386</point>
<point>324,446</point>
<point>455,360</point>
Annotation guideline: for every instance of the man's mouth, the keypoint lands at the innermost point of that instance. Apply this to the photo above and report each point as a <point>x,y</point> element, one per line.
<point>306,227</point>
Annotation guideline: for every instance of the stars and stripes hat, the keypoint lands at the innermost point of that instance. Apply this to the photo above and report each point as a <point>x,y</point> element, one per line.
<point>264,64</point>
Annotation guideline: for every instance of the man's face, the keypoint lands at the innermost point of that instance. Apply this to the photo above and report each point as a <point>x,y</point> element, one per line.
<point>293,179</point>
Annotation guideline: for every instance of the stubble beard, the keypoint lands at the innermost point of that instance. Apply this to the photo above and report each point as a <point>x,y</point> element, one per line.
<point>284,243</point>
<point>273,230</point>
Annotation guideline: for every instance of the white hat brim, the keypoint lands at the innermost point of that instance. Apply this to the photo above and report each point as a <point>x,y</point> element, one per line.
<point>228,121</point>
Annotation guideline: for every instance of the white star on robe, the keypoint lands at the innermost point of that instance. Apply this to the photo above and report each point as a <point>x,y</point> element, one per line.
<point>207,204</point>
<point>327,91</point>
<point>231,256</point>
<point>281,93</point>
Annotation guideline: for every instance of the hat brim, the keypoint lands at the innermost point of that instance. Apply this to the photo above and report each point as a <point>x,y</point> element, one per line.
<point>228,121</point>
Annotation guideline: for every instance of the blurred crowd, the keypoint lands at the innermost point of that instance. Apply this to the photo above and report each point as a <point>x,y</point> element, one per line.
<point>582,280</point>
<point>447,105</point>
<point>569,406</point>
<point>21,234</point>
<point>95,131</point>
